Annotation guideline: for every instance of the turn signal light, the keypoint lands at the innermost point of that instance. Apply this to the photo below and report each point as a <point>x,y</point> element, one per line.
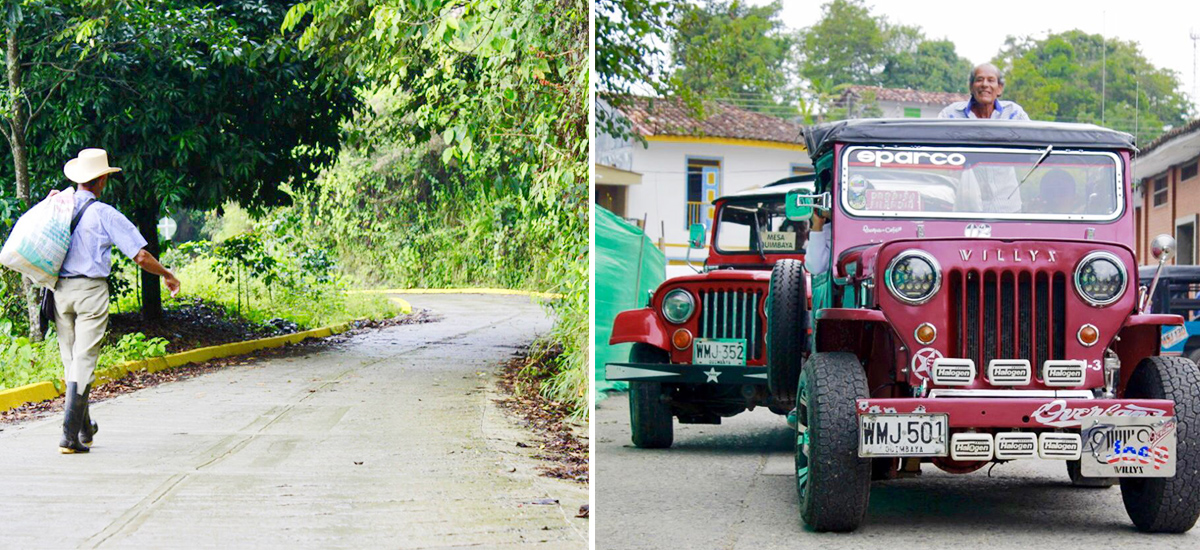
<point>926,333</point>
<point>1088,335</point>
<point>681,339</point>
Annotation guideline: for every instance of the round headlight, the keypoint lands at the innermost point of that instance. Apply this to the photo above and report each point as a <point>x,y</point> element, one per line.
<point>913,277</point>
<point>1100,278</point>
<point>678,305</point>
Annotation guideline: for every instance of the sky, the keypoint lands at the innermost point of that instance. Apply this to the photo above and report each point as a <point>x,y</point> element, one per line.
<point>978,29</point>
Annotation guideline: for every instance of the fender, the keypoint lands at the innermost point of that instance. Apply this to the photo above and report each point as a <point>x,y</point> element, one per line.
<point>640,326</point>
<point>1141,336</point>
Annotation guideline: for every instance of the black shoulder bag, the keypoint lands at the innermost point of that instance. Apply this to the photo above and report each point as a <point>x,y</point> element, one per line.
<point>47,310</point>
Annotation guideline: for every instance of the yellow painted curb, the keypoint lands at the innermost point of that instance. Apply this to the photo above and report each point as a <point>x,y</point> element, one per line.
<point>15,397</point>
<point>405,307</point>
<point>41,391</point>
<point>546,295</point>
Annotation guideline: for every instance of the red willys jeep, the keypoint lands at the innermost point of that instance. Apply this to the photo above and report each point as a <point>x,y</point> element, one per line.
<point>981,304</point>
<point>699,350</point>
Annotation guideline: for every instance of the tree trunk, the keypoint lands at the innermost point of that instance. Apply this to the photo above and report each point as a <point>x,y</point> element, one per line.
<point>16,141</point>
<point>151,291</point>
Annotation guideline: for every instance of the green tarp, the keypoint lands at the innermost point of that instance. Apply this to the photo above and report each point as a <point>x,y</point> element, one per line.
<point>628,266</point>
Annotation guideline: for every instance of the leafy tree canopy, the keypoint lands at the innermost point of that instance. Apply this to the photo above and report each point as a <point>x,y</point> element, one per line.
<point>850,45</point>
<point>734,52</point>
<point>628,58</point>
<point>198,103</point>
<point>1062,77</point>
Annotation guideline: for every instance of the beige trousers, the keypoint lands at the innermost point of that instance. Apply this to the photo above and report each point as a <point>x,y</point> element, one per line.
<point>81,319</point>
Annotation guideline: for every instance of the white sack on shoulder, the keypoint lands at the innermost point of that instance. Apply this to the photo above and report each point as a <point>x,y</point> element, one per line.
<point>38,242</point>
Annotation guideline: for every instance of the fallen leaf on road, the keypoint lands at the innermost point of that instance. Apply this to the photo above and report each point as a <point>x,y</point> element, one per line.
<point>357,463</point>
<point>584,511</point>
<point>545,501</point>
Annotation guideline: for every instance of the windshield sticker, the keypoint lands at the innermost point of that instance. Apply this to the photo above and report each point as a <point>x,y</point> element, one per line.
<point>858,188</point>
<point>779,240</point>
<point>891,201</point>
<point>881,158</point>
<point>978,230</point>
<point>888,230</point>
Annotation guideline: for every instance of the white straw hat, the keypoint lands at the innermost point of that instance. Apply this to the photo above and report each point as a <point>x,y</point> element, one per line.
<point>91,164</point>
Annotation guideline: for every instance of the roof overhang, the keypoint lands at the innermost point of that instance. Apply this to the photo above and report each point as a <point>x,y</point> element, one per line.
<point>742,142</point>
<point>607,175</point>
<point>1178,150</point>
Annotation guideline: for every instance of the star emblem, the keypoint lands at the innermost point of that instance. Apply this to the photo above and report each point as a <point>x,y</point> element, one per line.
<point>712,374</point>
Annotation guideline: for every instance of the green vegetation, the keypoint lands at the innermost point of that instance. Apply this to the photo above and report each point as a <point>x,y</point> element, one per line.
<point>469,166</point>
<point>1060,78</point>
<point>23,361</point>
<point>199,104</point>
<point>734,52</point>
<point>364,142</point>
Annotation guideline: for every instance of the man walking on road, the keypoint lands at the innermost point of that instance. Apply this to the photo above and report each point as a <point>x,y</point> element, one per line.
<point>81,297</point>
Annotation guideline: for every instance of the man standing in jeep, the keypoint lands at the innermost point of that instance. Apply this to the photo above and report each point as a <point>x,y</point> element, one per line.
<point>986,83</point>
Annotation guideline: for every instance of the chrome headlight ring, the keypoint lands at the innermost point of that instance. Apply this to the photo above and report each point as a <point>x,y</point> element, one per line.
<point>922,256</point>
<point>678,306</point>
<point>1112,258</point>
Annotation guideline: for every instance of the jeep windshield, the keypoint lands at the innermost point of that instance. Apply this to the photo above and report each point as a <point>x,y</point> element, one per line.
<point>743,223</point>
<point>975,183</point>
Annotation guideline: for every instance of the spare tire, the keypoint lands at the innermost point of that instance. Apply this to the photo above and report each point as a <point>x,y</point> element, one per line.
<point>787,328</point>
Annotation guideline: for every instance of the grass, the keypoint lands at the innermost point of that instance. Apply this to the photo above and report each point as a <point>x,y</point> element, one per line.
<point>309,306</point>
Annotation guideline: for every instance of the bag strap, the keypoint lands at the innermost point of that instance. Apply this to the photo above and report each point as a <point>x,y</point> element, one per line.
<point>79,214</point>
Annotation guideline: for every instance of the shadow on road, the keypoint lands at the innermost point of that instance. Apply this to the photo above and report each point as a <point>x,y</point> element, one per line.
<point>1036,506</point>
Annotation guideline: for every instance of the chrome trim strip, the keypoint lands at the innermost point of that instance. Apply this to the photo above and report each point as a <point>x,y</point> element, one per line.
<point>1046,394</point>
<point>1115,260</point>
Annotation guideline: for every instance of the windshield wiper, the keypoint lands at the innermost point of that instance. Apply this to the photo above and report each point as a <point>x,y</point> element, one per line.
<point>1046,153</point>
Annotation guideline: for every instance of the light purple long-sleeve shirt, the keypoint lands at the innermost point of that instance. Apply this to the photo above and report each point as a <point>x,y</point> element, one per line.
<point>100,228</point>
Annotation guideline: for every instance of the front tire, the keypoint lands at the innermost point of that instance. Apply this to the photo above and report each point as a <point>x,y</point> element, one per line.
<point>833,483</point>
<point>649,414</point>
<point>787,328</point>
<point>1158,504</point>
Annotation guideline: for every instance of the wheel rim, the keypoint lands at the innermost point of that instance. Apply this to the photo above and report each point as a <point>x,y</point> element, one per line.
<point>802,448</point>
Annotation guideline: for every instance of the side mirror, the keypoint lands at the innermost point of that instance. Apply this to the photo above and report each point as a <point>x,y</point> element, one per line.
<point>799,204</point>
<point>1163,247</point>
<point>696,236</point>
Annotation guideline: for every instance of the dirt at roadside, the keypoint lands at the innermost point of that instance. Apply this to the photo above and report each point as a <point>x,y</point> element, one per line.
<point>562,443</point>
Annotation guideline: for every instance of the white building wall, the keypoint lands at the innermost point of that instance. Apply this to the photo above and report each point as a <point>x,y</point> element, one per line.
<point>662,196</point>
<point>895,109</point>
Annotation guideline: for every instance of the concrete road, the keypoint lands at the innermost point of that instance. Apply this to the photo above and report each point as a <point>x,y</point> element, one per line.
<point>388,440</point>
<point>732,487</point>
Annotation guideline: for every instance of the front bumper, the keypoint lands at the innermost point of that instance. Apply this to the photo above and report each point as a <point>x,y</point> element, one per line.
<point>990,412</point>
<point>683,373</point>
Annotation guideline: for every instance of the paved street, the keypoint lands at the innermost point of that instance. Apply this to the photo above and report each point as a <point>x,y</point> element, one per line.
<point>388,440</point>
<point>732,487</point>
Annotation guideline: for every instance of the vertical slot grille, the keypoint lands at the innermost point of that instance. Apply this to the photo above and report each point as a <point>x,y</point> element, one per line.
<point>733,314</point>
<point>1008,315</point>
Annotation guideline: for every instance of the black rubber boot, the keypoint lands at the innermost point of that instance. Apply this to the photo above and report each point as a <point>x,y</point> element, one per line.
<point>74,406</point>
<point>88,428</point>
